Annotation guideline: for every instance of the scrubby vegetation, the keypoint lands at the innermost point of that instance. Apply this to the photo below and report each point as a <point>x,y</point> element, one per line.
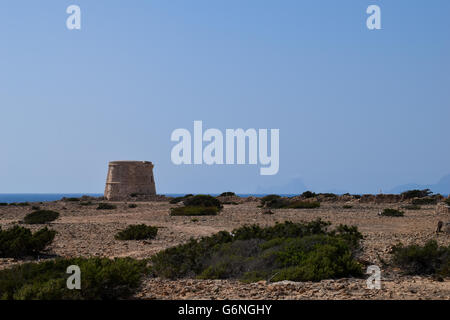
<point>202,200</point>
<point>227,194</point>
<point>274,201</point>
<point>424,201</point>
<point>179,199</point>
<point>194,211</point>
<point>106,206</point>
<point>199,205</point>
<point>132,205</point>
<point>410,194</point>
<point>392,213</point>
<point>308,194</point>
<point>86,203</point>
<point>447,201</point>
<point>137,232</point>
<point>41,217</point>
<point>285,251</point>
<point>304,205</point>
<point>3,204</point>
<point>347,206</point>
<point>71,199</point>
<point>19,241</point>
<point>422,260</point>
<point>101,278</point>
<point>23,204</point>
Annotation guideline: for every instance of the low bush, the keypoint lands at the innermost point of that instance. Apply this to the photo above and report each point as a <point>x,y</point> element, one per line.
<point>86,203</point>
<point>41,217</point>
<point>202,201</point>
<point>328,195</point>
<point>2,204</point>
<point>285,251</point>
<point>447,201</point>
<point>106,206</point>
<point>71,199</point>
<point>36,208</point>
<point>132,205</point>
<point>227,194</point>
<point>276,202</point>
<point>194,211</point>
<point>22,204</point>
<point>308,194</point>
<point>422,260</point>
<point>410,194</point>
<point>101,279</point>
<point>392,213</point>
<point>304,205</point>
<point>137,232</point>
<point>347,206</point>
<point>269,198</point>
<point>424,201</point>
<point>19,241</point>
<point>179,199</point>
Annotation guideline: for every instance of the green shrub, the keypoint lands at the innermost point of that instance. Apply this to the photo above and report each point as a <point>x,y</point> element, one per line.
<point>194,211</point>
<point>347,206</point>
<point>179,199</point>
<point>392,213</point>
<point>23,204</point>
<point>202,201</point>
<point>2,204</point>
<point>290,251</point>
<point>447,201</point>
<point>106,206</point>
<point>269,197</point>
<point>176,200</point>
<point>137,232</point>
<point>132,205</point>
<point>41,217</point>
<point>86,203</point>
<point>276,202</point>
<point>410,194</point>
<point>227,194</point>
<point>328,195</point>
<point>36,208</point>
<point>101,278</point>
<point>71,199</point>
<point>308,194</point>
<point>304,205</point>
<point>422,260</point>
<point>424,201</point>
<point>19,241</point>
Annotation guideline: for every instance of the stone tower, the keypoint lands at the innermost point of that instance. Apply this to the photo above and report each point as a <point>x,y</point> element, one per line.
<point>126,178</point>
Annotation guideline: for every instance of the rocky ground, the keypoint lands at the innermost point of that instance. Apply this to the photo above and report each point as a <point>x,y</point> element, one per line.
<point>85,231</point>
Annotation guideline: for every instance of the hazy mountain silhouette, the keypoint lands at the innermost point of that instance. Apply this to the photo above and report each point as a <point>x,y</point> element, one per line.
<point>442,187</point>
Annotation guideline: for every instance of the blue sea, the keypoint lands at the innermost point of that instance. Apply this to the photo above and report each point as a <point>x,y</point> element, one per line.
<point>43,197</point>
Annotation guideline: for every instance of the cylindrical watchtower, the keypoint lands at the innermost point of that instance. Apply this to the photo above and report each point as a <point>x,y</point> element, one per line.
<point>128,178</point>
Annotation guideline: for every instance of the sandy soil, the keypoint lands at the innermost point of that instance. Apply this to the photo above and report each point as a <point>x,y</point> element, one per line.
<point>85,231</point>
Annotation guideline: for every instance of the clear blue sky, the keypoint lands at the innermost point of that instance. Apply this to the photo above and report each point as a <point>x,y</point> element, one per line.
<point>357,110</point>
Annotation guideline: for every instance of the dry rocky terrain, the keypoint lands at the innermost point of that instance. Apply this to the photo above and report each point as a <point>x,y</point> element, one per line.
<point>85,231</point>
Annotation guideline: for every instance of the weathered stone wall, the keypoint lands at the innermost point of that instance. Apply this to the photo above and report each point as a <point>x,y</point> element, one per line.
<point>126,178</point>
